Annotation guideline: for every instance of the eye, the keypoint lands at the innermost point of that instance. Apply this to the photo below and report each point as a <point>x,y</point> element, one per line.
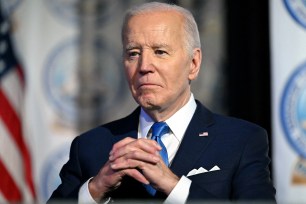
<point>160,52</point>
<point>133,54</point>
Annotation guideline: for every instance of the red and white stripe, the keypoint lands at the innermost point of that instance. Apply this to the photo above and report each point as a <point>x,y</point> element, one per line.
<point>16,182</point>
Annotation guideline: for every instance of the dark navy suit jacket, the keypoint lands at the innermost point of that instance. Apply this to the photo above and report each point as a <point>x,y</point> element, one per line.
<point>239,148</point>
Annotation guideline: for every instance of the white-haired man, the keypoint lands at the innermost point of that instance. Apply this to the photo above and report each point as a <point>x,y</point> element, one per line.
<point>200,156</point>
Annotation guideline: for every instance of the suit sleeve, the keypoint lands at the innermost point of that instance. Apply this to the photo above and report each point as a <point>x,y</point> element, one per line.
<point>70,175</point>
<point>252,179</point>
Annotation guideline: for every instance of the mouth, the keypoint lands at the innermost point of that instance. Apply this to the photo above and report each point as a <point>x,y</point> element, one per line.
<point>147,85</point>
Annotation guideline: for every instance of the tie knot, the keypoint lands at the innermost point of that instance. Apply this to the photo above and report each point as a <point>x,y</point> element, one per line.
<point>159,129</point>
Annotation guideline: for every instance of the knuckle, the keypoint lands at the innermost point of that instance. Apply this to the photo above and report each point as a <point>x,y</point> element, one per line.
<point>129,163</point>
<point>138,142</point>
<point>135,154</point>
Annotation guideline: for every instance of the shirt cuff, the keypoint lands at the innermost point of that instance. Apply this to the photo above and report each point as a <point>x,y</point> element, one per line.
<point>180,192</point>
<point>85,196</point>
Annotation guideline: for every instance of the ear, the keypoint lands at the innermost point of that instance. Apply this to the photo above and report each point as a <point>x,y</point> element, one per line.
<point>195,64</point>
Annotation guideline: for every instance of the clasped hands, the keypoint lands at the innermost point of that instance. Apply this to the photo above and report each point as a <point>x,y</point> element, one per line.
<point>137,158</point>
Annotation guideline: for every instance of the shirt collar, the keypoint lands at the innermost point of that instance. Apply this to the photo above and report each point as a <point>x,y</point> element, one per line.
<point>177,125</point>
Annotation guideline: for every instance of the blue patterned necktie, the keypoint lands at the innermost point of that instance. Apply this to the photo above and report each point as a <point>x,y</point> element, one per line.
<point>158,130</point>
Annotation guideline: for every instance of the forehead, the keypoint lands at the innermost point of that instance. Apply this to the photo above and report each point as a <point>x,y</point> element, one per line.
<point>153,24</point>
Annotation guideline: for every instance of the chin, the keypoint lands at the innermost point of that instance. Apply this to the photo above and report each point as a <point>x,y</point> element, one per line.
<point>147,103</point>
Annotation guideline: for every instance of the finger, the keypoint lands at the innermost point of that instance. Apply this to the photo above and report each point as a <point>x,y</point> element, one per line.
<point>145,145</point>
<point>134,159</point>
<point>122,143</point>
<point>134,173</point>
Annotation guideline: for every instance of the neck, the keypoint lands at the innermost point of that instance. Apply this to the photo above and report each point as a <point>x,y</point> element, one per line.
<point>162,114</point>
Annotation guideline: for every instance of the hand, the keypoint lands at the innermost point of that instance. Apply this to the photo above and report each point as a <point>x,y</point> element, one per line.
<point>110,178</point>
<point>143,154</point>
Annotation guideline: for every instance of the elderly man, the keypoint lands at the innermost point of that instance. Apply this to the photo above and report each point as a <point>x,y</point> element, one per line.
<point>171,147</point>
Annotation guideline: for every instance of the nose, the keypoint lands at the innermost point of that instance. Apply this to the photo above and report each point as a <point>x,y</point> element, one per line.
<point>146,62</point>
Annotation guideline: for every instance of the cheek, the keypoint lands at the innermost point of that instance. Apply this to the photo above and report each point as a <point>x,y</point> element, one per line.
<point>179,75</point>
<point>175,82</point>
<point>129,73</point>
<point>131,82</point>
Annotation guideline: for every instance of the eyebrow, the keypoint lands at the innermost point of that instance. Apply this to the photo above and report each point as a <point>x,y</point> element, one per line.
<point>132,46</point>
<point>161,45</point>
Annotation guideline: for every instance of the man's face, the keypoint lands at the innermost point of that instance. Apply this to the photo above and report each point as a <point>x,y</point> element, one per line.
<point>157,65</point>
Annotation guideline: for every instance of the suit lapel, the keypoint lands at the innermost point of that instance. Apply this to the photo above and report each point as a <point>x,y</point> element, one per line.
<point>128,127</point>
<point>193,145</point>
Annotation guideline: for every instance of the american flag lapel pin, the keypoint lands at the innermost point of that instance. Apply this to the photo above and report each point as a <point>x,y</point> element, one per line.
<point>203,134</point>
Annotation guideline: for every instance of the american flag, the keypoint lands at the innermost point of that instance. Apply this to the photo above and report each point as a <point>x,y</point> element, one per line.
<point>16,180</point>
<point>203,134</point>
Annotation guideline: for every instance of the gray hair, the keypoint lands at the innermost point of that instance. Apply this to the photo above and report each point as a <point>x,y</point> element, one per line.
<point>192,39</point>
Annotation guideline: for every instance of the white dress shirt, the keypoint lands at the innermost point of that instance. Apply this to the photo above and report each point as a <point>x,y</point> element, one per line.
<point>171,140</point>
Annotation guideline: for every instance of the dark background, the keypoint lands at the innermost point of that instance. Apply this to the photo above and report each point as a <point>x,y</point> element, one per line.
<point>248,61</point>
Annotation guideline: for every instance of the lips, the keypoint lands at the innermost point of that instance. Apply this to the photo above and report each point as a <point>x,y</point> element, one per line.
<point>147,85</point>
